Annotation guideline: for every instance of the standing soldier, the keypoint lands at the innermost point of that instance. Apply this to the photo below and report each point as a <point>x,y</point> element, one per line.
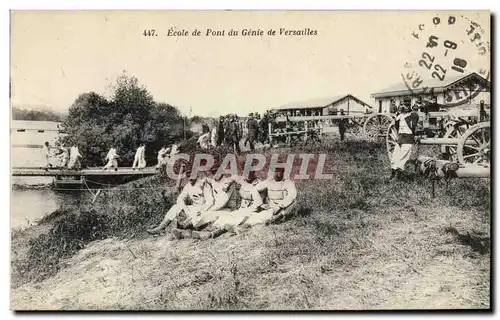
<point>227,134</point>
<point>220,131</point>
<point>46,155</point>
<point>253,131</point>
<point>65,156</point>
<point>74,158</point>
<point>406,125</point>
<point>162,157</point>
<point>342,125</point>
<point>483,115</point>
<point>112,158</point>
<point>234,135</point>
<point>213,136</point>
<point>140,157</point>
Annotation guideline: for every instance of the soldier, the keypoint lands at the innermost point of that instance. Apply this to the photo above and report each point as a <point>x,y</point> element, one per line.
<point>281,199</point>
<point>406,126</point>
<point>253,131</point>
<point>342,125</point>
<point>251,201</point>
<point>220,131</point>
<point>234,135</point>
<point>483,115</point>
<point>112,158</point>
<point>162,157</point>
<point>74,158</point>
<point>46,155</point>
<point>204,141</point>
<point>263,128</point>
<point>227,135</point>
<point>192,201</point>
<point>140,158</point>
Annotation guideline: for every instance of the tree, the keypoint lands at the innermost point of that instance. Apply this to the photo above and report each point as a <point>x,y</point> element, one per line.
<point>130,117</point>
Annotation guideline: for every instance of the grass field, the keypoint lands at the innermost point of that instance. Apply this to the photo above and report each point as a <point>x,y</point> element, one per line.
<point>359,241</point>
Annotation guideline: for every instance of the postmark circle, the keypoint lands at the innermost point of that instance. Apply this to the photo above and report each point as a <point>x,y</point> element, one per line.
<point>453,47</point>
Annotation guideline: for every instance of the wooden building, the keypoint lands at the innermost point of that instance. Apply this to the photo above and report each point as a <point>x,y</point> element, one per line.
<point>326,106</point>
<point>449,92</point>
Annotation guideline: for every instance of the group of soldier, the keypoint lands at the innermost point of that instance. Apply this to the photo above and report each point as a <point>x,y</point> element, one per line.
<point>212,204</point>
<point>69,158</point>
<point>229,131</point>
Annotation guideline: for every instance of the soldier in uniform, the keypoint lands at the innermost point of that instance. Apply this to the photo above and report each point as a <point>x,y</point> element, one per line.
<point>483,115</point>
<point>220,131</point>
<point>234,135</point>
<point>226,221</point>
<point>227,135</point>
<point>253,131</point>
<point>406,126</point>
<point>342,125</point>
<point>192,201</point>
<point>281,199</point>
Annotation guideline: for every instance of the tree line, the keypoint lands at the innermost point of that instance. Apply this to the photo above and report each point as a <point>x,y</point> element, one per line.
<point>35,115</point>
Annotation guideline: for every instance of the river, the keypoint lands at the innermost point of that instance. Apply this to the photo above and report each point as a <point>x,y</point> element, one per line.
<point>32,202</point>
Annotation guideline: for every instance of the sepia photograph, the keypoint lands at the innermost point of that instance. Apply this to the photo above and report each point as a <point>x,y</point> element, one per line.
<point>272,160</point>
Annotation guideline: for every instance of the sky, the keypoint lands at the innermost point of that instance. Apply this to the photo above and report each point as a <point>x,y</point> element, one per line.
<point>57,55</point>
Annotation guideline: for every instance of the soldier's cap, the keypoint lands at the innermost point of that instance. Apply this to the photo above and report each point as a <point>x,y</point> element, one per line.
<point>279,169</point>
<point>407,99</point>
<point>250,114</point>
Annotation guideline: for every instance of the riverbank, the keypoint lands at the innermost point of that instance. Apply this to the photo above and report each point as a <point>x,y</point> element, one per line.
<point>358,242</point>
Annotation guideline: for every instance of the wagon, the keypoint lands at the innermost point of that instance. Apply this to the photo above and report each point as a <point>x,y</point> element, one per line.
<point>368,126</point>
<point>463,134</point>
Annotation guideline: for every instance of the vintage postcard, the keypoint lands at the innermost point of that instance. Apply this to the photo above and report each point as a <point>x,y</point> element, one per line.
<point>250,160</point>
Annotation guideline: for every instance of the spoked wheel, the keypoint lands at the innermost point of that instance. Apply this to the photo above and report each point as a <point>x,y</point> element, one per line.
<point>376,125</point>
<point>391,138</point>
<point>454,130</point>
<point>475,144</point>
<point>355,130</point>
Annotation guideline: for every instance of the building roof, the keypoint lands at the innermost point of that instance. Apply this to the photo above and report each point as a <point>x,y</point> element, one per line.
<point>401,88</point>
<point>320,102</point>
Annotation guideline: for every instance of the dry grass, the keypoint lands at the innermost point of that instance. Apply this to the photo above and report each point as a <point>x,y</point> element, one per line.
<point>357,242</point>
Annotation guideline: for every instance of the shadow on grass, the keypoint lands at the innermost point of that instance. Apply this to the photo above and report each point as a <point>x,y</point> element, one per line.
<point>477,243</point>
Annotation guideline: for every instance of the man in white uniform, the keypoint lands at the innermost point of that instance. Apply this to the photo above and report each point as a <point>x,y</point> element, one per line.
<point>229,221</point>
<point>74,158</point>
<point>192,201</point>
<point>112,158</point>
<point>281,199</point>
<point>64,157</point>
<point>46,155</point>
<point>163,156</point>
<point>213,136</point>
<point>406,125</point>
<point>204,140</point>
<point>140,157</point>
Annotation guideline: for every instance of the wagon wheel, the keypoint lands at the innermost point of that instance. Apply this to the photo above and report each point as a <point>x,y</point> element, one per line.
<point>475,144</point>
<point>376,126</point>
<point>391,138</point>
<point>454,131</point>
<point>356,128</point>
